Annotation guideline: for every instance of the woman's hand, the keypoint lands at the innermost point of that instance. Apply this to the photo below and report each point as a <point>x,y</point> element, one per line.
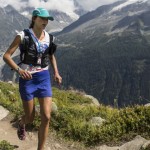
<point>58,78</point>
<point>24,74</point>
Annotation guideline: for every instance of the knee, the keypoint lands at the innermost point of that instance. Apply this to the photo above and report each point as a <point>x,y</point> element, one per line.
<point>45,118</point>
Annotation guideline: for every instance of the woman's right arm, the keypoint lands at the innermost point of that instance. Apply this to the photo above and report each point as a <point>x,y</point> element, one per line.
<point>7,58</point>
<point>12,48</point>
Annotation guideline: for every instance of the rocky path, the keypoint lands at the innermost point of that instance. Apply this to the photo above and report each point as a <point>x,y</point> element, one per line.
<point>8,132</point>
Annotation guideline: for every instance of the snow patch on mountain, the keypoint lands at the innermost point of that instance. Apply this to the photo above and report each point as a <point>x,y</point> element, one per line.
<point>135,13</point>
<point>129,2</point>
<point>117,31</point>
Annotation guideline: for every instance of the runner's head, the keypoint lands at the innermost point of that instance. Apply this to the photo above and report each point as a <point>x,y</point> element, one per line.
<point>42,13</point>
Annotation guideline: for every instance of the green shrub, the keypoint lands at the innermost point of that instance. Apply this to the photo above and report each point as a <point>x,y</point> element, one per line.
<point>73,122</point>
<point>4,145</point>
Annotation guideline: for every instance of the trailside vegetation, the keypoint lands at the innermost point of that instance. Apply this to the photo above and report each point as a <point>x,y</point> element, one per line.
<point>75,111</point>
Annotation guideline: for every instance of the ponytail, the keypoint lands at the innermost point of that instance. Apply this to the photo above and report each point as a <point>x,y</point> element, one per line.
<point>32,22</point>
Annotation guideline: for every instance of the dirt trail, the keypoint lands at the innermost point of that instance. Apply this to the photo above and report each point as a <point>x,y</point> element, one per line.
<point>9,133</point>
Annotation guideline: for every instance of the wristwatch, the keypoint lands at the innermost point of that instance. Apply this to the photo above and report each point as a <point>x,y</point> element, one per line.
<point>17,70</point>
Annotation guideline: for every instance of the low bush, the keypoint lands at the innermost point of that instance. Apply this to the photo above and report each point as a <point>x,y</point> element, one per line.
<point>4,145</point>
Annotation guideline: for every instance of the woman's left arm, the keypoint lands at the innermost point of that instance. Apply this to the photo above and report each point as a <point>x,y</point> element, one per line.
<point>57,77</point>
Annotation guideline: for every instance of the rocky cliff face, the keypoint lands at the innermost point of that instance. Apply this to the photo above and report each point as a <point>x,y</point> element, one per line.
<point>10,22</point>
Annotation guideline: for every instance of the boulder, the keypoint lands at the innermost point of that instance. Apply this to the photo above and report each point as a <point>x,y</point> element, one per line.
<point>94,100</point>
<point>138,143</point>
<point>98,121</point>
<point>3,112</point>
<point>54,107</point>
<point>147,105</point>
<point>146,146</point>
<point>135,144</point>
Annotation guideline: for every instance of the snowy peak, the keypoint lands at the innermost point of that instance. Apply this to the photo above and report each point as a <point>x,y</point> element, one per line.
<point>126,3</point>
<point>112,18</point>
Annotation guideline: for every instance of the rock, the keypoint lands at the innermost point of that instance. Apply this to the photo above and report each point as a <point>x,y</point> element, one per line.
<point>3,112</point>
<point>12,83</point>
<point>97,121</point>
<point>94,100</point>
<point>135,144</point>
<point>11,93</point>
<point>54,107</point>
<point>146,146</point>
<point>138,143</point>
<point>105,147</point>
<point>57,146</point>
<point>147,105</point>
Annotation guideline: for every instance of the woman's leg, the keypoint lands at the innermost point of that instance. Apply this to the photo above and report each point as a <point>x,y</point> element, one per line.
<point>28,117</point>
<point>29,110</point>
<point>45,110</point>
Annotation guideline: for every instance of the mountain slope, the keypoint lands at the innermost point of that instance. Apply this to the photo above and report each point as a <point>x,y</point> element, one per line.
<point>108,50</point>
<point>89,16</point>
<point>106,53</point>
<point>8,27</point>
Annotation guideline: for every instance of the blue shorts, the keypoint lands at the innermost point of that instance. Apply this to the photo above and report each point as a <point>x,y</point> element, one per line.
<point>39,86</point>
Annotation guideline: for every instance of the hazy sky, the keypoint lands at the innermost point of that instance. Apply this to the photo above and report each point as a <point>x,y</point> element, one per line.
<point>61,5</point>
<point>92,4</point>
<point>64,5</point>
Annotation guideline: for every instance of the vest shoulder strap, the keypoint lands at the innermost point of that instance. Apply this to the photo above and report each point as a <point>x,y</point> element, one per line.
<point>24,44</point>
<point>51,39</point>
<point>52,45</point>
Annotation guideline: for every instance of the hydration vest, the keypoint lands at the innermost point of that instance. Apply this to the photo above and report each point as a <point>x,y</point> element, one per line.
<point>29,53</point>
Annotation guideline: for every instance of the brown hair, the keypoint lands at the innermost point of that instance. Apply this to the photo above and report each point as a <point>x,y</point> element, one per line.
<point>32,22</point>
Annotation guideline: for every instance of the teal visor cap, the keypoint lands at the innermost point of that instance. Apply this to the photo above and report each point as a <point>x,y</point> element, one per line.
<point>41,12</point>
